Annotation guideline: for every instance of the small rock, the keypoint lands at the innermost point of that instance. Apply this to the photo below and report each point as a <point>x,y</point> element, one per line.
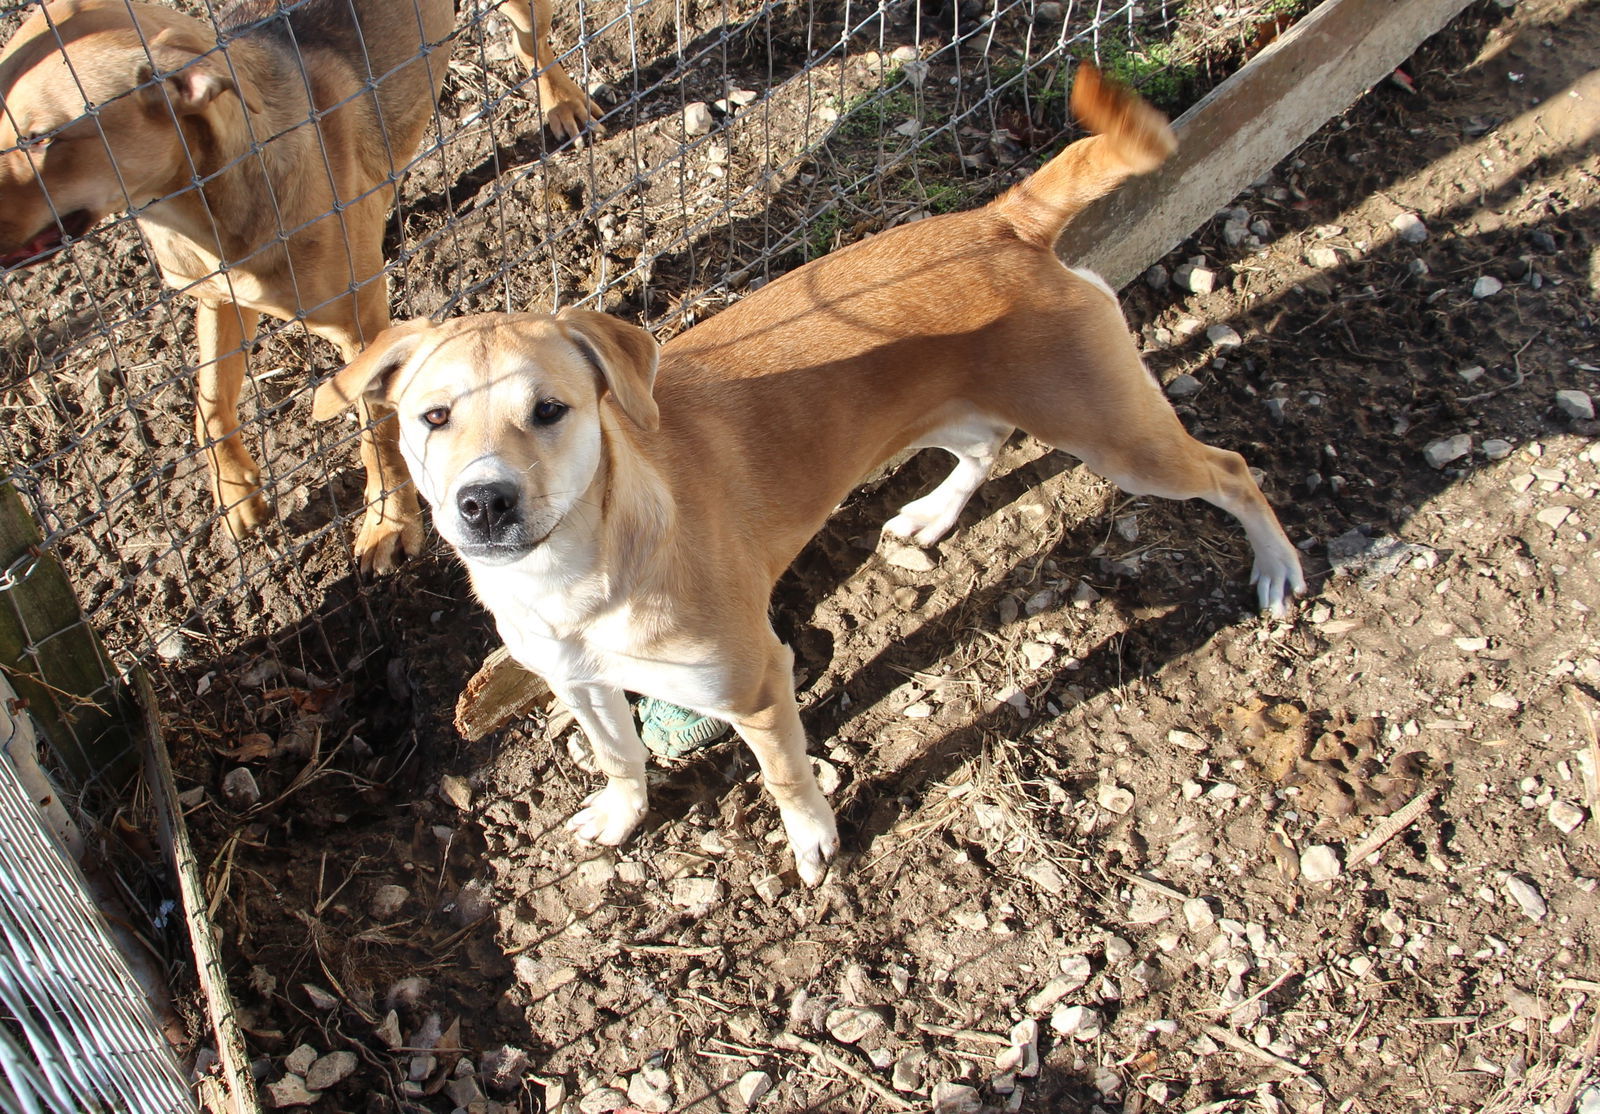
<point>751,1086</point>
<point>463,1091</point>
<point>1504,701</point>
<point>1200,280</point>
<point>1486,286</point>
<point>742,97</point>
<point>955,1098</point>
<point>1076,969</point>
<point>827,776</point>
<point>908,557</point>
<point>456,791</point>
<point>239,788</point>
<point>389,1031</point>
<point>1527,895</point>
<point>387,901</point>
<point>1496,449</point>
<point>1224,336</point>
<point>1553,516</point>
<point>602,1101</point>
<point>1084,594</point>
<point>320,999</point>
<point>331,1070</point>
<point>694,893</point>
<point>1052,992</point>
<point>907,1075</point>
<point>1565,815</point>
<point>1197,912</point>
<point>1183,386</point>
<point>1113,798</point>
<point>650,1089</point>
<point>1417,268</point>
<point>1048,12</point>
<point>1081,1023</point>
<point>300,1060</point>
<point>1235,233</point>
<point>1319,863</point>
<point>697,118</point>
<point>1037,654</point>
<point>1576,405</point>
<point>1117,949</point>
<point>1446,449</point>
<point>1045,876</point>
<point>1588,1101</point>
<point>1324,259</point>
<point>919,710</point>
<point>1410,227</point>
<point>852,1025</point>
<point>770,887</point>
<point>1156,277</point>
<point>291,1091</point>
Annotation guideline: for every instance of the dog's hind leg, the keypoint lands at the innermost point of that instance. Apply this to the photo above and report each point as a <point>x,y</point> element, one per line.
<point>771,727</point>
<point>610,815</point>
<point>220,328</point>
<point>974,441</point>
<point>1110,413</point>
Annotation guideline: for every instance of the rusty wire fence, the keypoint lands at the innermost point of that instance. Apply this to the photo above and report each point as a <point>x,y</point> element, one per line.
<point>737,139</point>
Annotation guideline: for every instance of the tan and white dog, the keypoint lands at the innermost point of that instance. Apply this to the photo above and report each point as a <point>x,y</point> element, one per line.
<point>625,512</point>
<point>261,174</point>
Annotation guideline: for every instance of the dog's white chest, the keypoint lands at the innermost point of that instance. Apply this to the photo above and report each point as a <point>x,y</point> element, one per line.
<point>617,648</point>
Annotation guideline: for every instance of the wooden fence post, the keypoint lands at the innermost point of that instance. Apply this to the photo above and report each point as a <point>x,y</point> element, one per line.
<point>54,659</point>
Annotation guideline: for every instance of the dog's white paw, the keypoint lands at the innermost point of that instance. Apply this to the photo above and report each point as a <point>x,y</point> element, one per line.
<point>610,815</point>
<point>924,521</point>
<point>813,837</point>
<point>1278,578</point>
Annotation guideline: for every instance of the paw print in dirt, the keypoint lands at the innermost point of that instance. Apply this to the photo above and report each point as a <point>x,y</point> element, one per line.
<point>1337,766</point>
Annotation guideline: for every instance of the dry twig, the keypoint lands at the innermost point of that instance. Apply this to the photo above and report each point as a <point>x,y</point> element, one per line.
<point>791,1043</point>
<point>1239,1044</point>
<point>1395,823</point>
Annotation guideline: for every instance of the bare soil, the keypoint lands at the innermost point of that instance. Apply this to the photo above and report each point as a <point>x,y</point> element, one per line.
<point>1072,769</point>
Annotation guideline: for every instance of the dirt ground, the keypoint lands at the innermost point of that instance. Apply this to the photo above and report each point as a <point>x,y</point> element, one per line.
<point>1081,787</point>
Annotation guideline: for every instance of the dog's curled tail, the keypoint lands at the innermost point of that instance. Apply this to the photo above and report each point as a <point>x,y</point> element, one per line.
<point>1129,138</point>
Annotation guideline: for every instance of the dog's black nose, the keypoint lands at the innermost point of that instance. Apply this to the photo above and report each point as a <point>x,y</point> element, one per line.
<point>486,509</point>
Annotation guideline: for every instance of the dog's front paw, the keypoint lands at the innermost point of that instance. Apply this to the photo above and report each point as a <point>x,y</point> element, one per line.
<point>1278,578</point>
<point>813,837</point>
<point>610,815</point>
<point>386,538</point>
<point>567,108</point>
<point>245,509</point>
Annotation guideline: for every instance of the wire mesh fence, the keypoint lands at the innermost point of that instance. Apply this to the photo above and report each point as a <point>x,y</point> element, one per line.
<point>177,240</point>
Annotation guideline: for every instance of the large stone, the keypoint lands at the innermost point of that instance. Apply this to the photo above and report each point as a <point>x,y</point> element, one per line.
<point>1446,449</point>
<point>1576,405</point>
<point>331,1070</point>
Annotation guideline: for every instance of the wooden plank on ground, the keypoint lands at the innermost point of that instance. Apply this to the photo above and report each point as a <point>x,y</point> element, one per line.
<point>1247,125</point>
<point>499,692</point>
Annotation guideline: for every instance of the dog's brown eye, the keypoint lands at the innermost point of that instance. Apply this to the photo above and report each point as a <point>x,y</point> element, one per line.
<point>437,417</point>
<point>549,411</point>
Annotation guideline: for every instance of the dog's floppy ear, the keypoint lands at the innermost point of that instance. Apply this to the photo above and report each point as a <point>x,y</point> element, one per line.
<point>372,373</point>
<point>624,355</point>
<point>189,79</point>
